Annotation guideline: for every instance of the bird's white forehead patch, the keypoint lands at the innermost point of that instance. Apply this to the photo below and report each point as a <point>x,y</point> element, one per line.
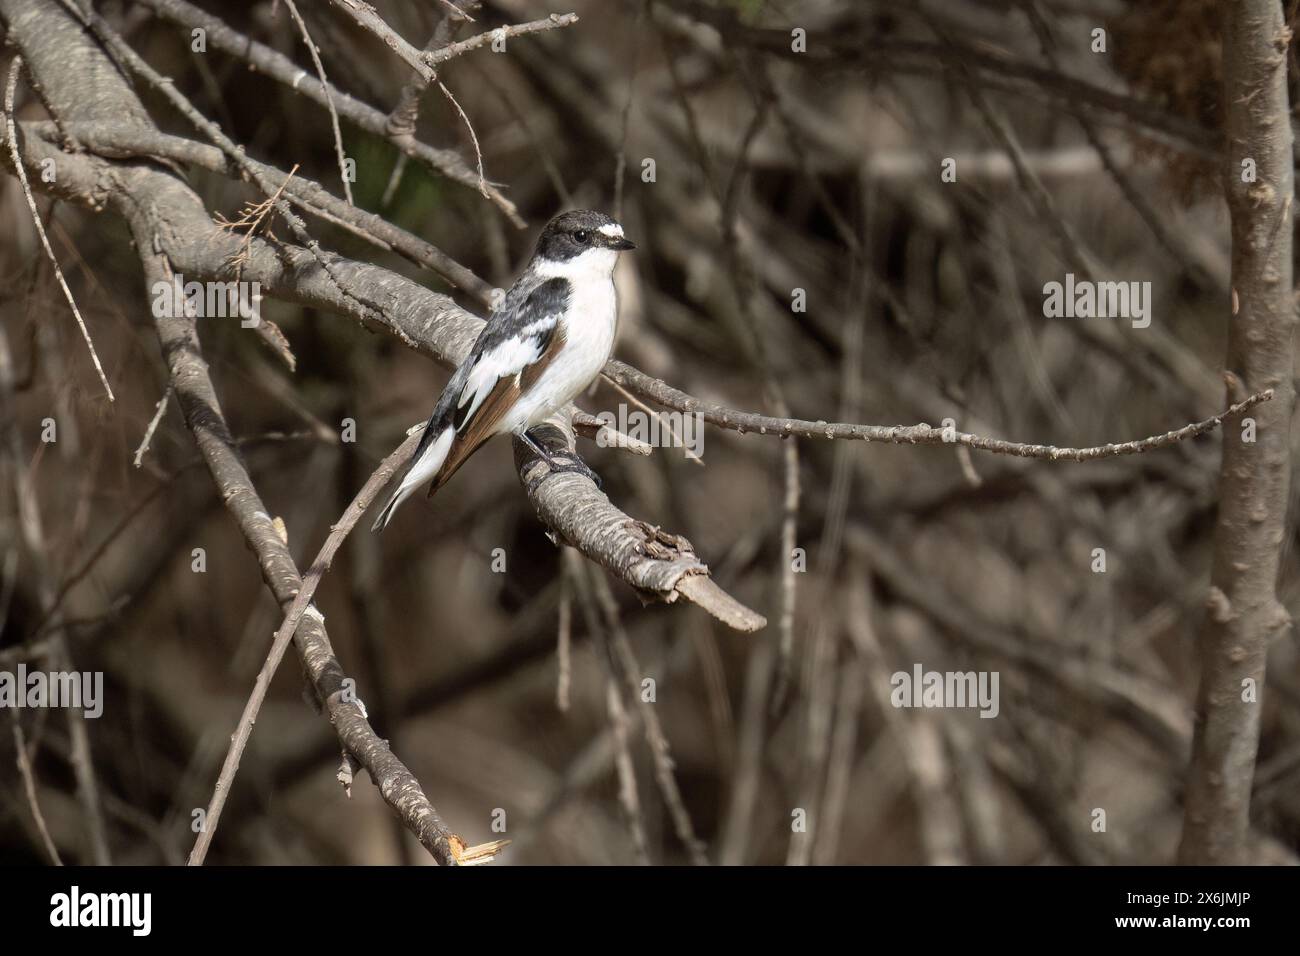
<point>613,229</point>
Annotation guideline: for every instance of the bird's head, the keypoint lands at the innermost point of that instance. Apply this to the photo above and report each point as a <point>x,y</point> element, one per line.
<point>582,240</point>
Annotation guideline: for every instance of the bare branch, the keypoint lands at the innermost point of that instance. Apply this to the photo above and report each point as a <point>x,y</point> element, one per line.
<point>10,88</point>
<point>29,789</point>
<point>922,434</point>
<point>158,412</point>
<point>1243,610</point>
<point>123,142</point>
<point>624,661</point>
<point>202,412</point>
<point>366,17</point>
<point>283,70</point>
<point>452,50</point>
<point>660,565</point>
<point>619,724</point>
<point>419,815</point>
<point>478,152</point>
<point>329,98</point>
<point>140,194</point>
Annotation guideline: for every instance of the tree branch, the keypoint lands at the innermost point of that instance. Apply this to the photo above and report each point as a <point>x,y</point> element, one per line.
<point>283,70</point>
<point>452,50</point>
<point>1244,613</point>
<point>158,207</point>
<point>922,434</point>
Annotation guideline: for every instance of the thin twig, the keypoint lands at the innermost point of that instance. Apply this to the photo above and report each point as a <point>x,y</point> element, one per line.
<point>286,72</point>
<point>453,7</point>
<point>554,21</point>
<point>137,65</point>
<point>619,724</point>
<point>626,663</point>
<point>922,434</point>
<point>403,117</point>
<point>564,642</point>
<point>280,644</point>
<point>29,789</point>
<point>118,142</point>
<point>158,413</point>
<point>663,420</point>
<point>450,849</point>
<point>366,17</point>
<point>329,98</point>
<point>10,88</point>
<point>478,153</point>
<point>31,530</point>
<point>620,163</point>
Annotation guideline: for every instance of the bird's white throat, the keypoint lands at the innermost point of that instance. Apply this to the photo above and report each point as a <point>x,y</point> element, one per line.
<point>594,265</point>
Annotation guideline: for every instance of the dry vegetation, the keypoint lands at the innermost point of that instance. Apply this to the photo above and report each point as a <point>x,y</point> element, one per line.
<point>774,170</point>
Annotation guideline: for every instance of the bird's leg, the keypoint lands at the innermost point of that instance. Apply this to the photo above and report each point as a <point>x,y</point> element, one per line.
<point>558,463</point>
<point>527,439</point>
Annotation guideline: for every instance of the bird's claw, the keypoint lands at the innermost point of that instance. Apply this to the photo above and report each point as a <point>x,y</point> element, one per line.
<point>577,466</point>
<point>559,464</point>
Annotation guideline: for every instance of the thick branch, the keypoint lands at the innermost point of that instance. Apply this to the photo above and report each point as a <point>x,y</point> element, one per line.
<point>120,142</point>
<point>158,208</point>
<point>1244,613</point>
<point>198,401</point>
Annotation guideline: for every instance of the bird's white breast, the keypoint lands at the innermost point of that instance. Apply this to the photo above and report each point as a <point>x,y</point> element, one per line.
<point>589,325</point>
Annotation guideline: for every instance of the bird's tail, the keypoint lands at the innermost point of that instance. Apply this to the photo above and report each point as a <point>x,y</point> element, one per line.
<point>421,470</point>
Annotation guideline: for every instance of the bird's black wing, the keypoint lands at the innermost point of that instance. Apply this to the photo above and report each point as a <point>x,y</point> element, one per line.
<point>514,346</point>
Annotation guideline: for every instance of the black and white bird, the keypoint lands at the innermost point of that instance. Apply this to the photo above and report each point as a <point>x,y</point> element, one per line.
<point>548,340</point>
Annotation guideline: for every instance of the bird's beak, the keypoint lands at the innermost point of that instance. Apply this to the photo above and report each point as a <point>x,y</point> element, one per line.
<point>622,245</point>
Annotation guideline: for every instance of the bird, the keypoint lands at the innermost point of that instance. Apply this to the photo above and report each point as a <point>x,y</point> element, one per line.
<point>543,345</point>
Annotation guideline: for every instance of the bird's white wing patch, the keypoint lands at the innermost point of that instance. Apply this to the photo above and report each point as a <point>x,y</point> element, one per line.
<point>509,357</point>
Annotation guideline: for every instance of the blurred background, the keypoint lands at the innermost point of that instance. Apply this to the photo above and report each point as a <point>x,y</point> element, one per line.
<point>746,165</point>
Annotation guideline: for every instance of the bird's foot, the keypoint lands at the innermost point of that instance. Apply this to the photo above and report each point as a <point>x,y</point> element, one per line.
<point>559,464</point>
<point>574,464</point>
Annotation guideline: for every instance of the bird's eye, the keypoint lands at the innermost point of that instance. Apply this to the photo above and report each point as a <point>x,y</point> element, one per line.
<point>581,237</point>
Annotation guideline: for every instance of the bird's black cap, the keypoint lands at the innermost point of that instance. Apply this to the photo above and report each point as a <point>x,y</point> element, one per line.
<point>573,233</point>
